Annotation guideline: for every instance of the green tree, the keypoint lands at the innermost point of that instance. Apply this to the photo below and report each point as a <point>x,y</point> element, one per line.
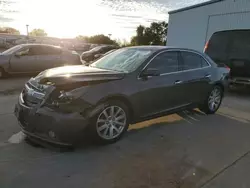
<point>155,34</point>
<point>100,39</point>
<point>38,33</point>
<point>9,30</point>
<point>97,39</point>
<point>81,37</point>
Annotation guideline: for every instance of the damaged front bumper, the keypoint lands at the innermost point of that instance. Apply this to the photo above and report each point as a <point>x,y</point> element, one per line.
<point>49,125</point>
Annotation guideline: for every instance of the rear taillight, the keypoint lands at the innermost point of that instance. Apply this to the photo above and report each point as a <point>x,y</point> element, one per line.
<point>228,68</point>
<point>206,46</point>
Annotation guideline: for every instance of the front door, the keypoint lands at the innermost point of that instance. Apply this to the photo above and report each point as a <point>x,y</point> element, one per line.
<point>164,92</point>
<point>23,61</point>
<point>35,59</point>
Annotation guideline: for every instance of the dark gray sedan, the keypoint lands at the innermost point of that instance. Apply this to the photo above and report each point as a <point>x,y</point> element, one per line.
<point>34,58</point>
<point>127,86</point>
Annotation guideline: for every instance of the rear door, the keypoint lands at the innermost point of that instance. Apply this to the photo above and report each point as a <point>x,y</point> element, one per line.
<point>26,61</point>
<point>197,74</point>
<point>50,57</point>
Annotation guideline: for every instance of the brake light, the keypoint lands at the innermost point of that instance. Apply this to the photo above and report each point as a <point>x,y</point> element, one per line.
<point>228,68</point>
<point>206,46</point>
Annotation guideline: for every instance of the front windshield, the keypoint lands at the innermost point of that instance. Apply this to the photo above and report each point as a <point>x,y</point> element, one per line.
<point>123,60</point>
<point>12,50</point>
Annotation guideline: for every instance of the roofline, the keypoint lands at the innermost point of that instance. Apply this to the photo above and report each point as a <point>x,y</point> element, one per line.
<point>195,6</point>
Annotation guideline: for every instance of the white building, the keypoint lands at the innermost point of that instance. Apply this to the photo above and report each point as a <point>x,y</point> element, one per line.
<point>192,26</point>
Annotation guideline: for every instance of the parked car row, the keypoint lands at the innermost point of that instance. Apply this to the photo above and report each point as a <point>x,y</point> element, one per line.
<point>95,53</point>
<point>34,58</point>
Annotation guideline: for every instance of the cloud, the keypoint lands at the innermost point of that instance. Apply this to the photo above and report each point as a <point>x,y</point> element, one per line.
<point>5,19</point>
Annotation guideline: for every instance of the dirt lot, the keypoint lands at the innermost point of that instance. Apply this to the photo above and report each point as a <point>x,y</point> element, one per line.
<point>183,150</point>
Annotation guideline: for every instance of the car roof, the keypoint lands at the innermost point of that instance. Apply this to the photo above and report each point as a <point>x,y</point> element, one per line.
<point>160,48</point>
<point>37,44</point>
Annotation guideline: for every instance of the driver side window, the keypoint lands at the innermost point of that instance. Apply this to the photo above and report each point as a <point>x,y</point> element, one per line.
<point>30,51</point>
<point>165,62</point>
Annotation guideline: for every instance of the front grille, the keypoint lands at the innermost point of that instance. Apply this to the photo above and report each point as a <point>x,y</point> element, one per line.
<point>32,96</point>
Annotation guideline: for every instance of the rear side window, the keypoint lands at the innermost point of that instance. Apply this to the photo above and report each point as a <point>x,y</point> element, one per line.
<point>218,45</point>
<point>165,62</point>
<point>43,50</point>
<point>47,50</point>
<point>34,50</point>
<point>192,61</point>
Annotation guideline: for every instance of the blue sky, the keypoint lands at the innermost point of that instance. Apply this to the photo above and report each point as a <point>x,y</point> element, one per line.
<point>68,18</point>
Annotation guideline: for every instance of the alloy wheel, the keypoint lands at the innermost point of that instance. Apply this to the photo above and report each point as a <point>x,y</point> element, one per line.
<point>214,99</point>
<point>111,122</point>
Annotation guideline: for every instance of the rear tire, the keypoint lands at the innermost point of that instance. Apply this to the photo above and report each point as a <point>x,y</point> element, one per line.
<point>213,101</point>
<point>111,123</point>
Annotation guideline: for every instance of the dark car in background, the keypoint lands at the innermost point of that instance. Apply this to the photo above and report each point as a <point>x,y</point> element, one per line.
<point>97,56</point>
<point>34,58</point>
<point>89,56</point>
<point>232,48</point>
<point>127,86</point>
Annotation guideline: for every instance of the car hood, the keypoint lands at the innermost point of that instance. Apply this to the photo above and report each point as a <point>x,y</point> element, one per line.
<point>79,73</point>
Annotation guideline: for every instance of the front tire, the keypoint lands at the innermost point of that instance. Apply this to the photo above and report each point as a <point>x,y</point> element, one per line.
<point>213,101</point>
<point>111,123</point>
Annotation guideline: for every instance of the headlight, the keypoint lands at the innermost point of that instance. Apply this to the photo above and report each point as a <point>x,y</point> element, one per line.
<point>63,98</point>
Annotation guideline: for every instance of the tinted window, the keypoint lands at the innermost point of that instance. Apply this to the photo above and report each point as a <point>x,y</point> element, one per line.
<point>41,50</point>
<point>166,62</point>
<point>240,45</point>
<point>192,61</point>
<point>218,46</point>
<point>47,50</point>
<point>34,50</point>
<point>204,62</point>
<point>12,50</point>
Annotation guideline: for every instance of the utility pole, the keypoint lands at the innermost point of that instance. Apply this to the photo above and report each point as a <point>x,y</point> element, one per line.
<point>27,29</point>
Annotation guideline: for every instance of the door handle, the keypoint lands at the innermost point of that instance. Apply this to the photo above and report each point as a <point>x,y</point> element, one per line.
<point>208,76</point>
<point>178,82</point>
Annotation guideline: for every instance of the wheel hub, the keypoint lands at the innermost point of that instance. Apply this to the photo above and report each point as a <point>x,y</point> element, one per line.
<point>214,99</point>
<point>111,122</point>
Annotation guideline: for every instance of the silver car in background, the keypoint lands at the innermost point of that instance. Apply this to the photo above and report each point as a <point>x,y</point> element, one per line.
<point>34,58</point>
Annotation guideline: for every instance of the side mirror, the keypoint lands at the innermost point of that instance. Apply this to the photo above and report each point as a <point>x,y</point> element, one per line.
<point>150,72</point>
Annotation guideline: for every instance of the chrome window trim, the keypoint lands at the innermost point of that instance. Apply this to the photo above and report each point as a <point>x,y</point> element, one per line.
<point>180,71</point>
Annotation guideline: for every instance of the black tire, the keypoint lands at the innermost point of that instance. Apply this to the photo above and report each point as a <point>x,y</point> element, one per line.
<point>205,107</point>
<point>93,126</point>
